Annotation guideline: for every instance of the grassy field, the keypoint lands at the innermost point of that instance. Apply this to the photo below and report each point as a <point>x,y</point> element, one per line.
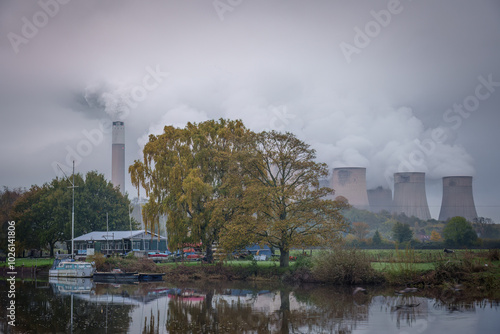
<point>29,262</point>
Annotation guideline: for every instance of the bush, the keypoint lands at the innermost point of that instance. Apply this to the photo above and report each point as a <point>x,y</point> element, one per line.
<point>343,266</point>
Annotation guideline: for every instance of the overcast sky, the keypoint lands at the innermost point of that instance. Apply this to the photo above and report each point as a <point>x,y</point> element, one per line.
<point>390,86</point>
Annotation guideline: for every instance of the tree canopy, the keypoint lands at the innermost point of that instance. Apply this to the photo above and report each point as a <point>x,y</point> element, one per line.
<point>43,214</point>
<point>185,175</point>
<point>458,232</point>
<point>219,182</point>
<point>282,187</point>
<point>401,232</point>
<point>7,199</point>
<point>377,239</point>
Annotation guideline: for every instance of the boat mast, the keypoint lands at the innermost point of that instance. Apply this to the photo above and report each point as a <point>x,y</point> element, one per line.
<point>72,208</point>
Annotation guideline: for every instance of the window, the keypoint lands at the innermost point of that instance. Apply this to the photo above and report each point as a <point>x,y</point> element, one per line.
<point>146,245</point>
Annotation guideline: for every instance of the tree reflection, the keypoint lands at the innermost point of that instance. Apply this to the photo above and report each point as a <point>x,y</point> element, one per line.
<point>40,310</point>
<point>212,309</point>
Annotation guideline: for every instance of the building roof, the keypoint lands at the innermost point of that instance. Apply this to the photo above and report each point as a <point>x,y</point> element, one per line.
<point>116,235</point>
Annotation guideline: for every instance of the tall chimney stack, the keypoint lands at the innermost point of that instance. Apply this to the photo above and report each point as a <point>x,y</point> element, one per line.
<point>457,198</point>
<point>118,156</point>
<point>409,195</point>
<point>350,182</point>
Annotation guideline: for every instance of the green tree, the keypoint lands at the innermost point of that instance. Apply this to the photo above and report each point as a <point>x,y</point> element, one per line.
<point>94,198</point>
<point>184,173</point>
<point>377,239</point>
<point>458,232</point>
<point>291,209</point>
<point>401,232</point>
<point>486,228</point>
<point>43,214</point>
<point>7,200</point>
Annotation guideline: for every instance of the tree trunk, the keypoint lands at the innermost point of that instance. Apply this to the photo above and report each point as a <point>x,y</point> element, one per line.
<point>52,249</point>
<point>284,258</point>
<point>285,311</point>
<point>210,253</point>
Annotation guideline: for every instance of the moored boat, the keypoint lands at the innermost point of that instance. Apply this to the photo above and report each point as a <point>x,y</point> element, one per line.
<point>69,268</point>
<point>149,277</point>
<point>116,276</point>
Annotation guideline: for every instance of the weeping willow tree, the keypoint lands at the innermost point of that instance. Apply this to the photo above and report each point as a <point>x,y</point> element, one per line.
<point>184,174</point>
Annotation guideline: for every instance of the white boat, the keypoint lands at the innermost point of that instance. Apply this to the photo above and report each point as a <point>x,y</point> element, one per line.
<point>67,268</point>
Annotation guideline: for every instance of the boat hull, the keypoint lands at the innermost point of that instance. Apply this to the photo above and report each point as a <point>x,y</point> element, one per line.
<point>150,277</point>
<point>71,269</point>
<point>116,277</point>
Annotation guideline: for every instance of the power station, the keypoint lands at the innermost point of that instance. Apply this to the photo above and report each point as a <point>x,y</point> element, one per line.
<point>409,195</point>
<point>380,199</point>
<point>118,156</point>
<point>457,198</point>
<point>350,182</point>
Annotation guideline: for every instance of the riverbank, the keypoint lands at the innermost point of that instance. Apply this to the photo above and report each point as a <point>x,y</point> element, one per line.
<point>476,269</point>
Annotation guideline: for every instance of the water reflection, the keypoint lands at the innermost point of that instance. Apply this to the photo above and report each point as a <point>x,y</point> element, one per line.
<point>82,306</point>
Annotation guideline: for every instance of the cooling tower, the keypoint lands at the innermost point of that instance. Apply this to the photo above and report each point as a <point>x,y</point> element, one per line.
<point>380,199</point>
<point>457,198</point>
<point>350,182</point>
<point>409,195</point>
<point>118,156</point>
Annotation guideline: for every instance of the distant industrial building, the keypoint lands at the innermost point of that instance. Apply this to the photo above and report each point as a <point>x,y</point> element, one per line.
<point>118,156</point>
<point>380,199</point>
<point>409,195</point>
<point>457,198</point>
<point>350,182</point>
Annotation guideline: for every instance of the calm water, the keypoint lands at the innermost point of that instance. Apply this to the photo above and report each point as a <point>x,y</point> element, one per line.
<point>81,306</point>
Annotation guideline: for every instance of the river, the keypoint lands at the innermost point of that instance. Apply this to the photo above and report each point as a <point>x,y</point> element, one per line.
<point>82,306</point>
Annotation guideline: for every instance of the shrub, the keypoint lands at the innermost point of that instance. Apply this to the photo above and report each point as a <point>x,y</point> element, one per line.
<point>493,255</point>
<point>343,266</point>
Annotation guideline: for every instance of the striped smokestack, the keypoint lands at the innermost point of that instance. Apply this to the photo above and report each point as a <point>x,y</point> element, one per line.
<point>457,198</point>
<point>350,182</point>
<point>118,156</point>
<point>409,195</point>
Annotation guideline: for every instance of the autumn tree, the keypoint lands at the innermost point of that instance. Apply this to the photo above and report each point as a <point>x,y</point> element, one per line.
<point>290,207</point>
<point>435,236</point>
<point>360,230</point>
<point>184,173</point>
